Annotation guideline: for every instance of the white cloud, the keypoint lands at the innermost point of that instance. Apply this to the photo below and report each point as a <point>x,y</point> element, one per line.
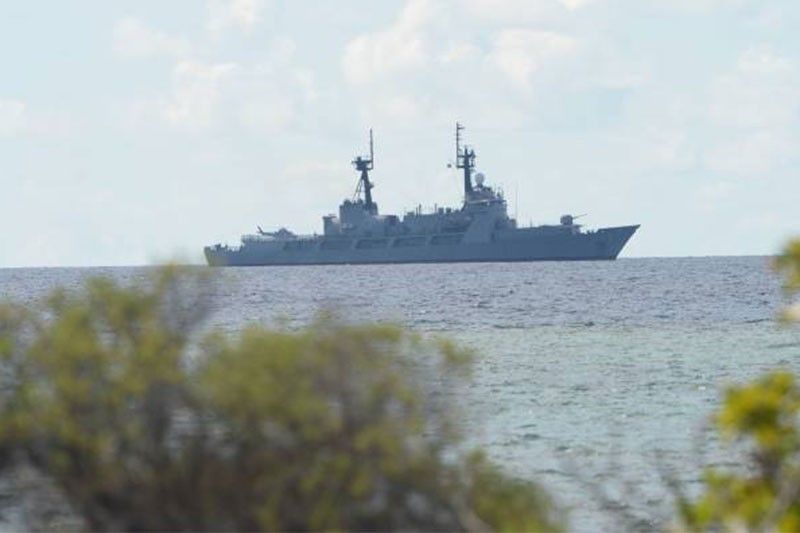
<point>572,5</point>
<point>306,168</point>
<point>327,177</point>
<point>768,220</point>
<point>744,101</point>
<point>265,97</point>
<point>515,11</point>
<point>710,195</point>
<point>696,6</point>
<point>752,155</point>
<point>743,126</point>
<point>282,50</point>
<point>401,108</point>
<point>132,38</point>
<point>16,119</point>
<point>305,80</point>
<point>522,11</point>
<point>267,115</point>
<point>762,60</point>
<point>520,53</point>
<point>754,109</point>
<point>771,18</point>
<point>400,47</point>
<point>13,117</point>
<point>195,92</point>
<point>224,15</point>
<point>456,52</point>
<point>431,64</point>
<point>204,93</point>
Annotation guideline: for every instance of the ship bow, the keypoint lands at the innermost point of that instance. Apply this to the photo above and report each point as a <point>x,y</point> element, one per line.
<point>617,238</point>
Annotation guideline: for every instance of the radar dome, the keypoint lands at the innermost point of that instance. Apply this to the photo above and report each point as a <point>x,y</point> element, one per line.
<point>479,177</point>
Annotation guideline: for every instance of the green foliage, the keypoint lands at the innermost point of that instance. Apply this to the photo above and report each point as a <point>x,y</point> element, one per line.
<point>765,417</point>
<point>788,264</point>
<point>141,423</point>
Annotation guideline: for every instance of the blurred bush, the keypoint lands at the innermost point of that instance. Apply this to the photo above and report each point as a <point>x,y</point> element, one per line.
<point>119,402</point>
<point>788,264</point>
<point>764,417</point>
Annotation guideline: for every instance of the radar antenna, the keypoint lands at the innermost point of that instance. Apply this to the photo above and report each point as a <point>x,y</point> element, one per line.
<point>465,159</point>
<point>364,164</point>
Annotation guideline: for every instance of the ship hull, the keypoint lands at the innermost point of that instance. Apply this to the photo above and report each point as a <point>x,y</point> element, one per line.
<point>518,245</point>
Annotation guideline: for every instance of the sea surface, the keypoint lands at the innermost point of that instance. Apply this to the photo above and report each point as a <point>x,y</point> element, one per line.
<point>596,379</point>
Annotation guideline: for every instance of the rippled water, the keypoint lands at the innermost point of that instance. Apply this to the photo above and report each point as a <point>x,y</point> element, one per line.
<point>591,375</point>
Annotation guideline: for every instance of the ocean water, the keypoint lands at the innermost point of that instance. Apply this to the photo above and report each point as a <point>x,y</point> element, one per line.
<point>596,379</point>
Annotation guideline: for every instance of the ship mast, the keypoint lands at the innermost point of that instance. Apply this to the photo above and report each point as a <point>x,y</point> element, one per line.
<point>465,159</point>
<point>364,164</point>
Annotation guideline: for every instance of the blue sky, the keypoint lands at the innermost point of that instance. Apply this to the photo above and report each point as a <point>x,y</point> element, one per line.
<point>134,132</point>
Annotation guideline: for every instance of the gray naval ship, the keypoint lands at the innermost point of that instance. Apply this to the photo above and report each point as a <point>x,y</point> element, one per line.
<point>479,230</point>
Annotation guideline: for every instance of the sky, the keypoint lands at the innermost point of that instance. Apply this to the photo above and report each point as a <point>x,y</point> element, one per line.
<point>134,132</point>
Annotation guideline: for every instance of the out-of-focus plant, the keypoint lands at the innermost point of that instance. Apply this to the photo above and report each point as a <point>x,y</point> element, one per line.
<point>765,417</point>
<point>788,264</point>
<point>114,398</point>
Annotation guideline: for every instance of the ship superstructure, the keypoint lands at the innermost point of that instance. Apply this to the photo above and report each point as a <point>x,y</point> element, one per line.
<point>479,230</point>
